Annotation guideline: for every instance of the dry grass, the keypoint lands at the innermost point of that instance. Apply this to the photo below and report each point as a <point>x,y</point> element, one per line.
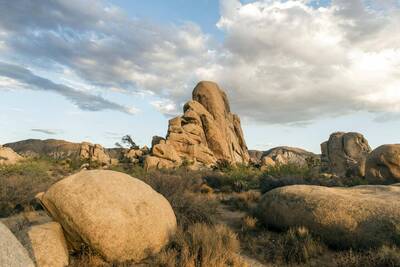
<point>21,182</point>
<point>201,245</point>
<point>386,256</point>
<point>245,201</point>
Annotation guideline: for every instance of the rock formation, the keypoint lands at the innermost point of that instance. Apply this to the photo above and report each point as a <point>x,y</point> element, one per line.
<point>344,154</point>
<point>207,132</point>
<point>8,156</point>
<point>12,253</point>
<point>93,153</point>
<point>116,215</point>
<point>361,216</point>
<point>255,156</point>
<point>383,165</point>
<point>288,155</point>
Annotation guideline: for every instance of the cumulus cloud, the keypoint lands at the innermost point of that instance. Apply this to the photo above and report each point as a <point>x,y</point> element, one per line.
<point>280,61</point>
<point>288,62</point>
<point>83,100</point>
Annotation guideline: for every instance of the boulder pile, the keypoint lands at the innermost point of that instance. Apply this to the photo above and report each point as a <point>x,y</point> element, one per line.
<point>206,133</point>
<point>288,155</point>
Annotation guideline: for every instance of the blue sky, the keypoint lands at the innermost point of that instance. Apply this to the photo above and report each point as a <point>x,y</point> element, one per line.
<point>294,71</point>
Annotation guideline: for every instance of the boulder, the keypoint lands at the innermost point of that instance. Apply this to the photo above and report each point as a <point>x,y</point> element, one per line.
<point>207,132</point>
<point>49,245</point>
<point>359,217</point>
<point>383,165</point>
<point>255,156</point>
<point>118,216</point>
<point>12,253</point>
<point>8,156</point>
<point>344,154</point>
<point>288,155</point>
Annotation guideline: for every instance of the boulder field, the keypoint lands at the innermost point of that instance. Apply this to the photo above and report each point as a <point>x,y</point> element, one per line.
<point>118,216</point>
<point>287,155</point>
<point>206,133</point>
<point>359,217</point>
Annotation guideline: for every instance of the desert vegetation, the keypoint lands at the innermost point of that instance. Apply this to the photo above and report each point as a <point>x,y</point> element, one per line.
<point>200,200</point>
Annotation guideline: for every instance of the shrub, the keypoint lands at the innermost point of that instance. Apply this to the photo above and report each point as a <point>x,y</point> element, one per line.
<point>299,246</point>
<point>385,256</point>
<point>237,178</point>
<point>21,182</point>
<point>245,201</point>
<point>201,245</point>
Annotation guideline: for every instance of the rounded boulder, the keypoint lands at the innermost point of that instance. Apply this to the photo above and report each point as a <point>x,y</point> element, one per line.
<point>118,216</point>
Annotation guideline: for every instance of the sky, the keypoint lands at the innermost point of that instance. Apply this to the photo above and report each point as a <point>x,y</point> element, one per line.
<point>294,71</point>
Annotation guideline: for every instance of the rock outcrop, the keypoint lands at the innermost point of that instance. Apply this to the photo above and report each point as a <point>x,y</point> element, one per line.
<point>255,156</point>
<point>12,253</point>
<point>118,216</point>
<point>344,154</point>
<point>360,217</point>
<point>49,245</point>
<point>288,155</point>
<point>8,156</point>
<point>383,165</point>
<point>94,153</point>
<point>207,132</point>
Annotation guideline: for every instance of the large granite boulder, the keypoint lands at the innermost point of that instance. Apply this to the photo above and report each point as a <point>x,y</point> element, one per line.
<point>288,155</point>
<point>344,154</point>
<point>207,132</point>
<point>12,253</point>
<point>118,216</point>
<point>8,156</point>
<point>360,216</point>
<point>383,165</point>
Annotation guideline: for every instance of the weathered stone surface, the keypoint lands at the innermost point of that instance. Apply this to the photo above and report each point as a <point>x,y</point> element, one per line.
<point>288,155</point>
<point>12,253</point>
<point>361,216</point>
<point>8,156</point>
<point>255,156</point>
<point>118,216</point>
<point>207,132</point>
<point>383,165</point>
<point>49,245</point>
<point>344,154</point>
<point>93,153</point>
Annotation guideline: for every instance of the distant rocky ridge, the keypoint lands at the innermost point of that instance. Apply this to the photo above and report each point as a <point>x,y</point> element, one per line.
<point>283,155</point>
<point>206,133</point>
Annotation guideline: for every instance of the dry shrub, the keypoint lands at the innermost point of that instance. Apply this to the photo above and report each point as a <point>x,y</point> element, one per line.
<point>201,245</point>
<point>299,246</point>
<point>249,223</point>
<point>245,201</point>
<point>20,183</point>
<point>386,256</point>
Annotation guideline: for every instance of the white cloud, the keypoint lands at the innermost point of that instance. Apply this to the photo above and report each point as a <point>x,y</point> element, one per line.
<point>280,61</point>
